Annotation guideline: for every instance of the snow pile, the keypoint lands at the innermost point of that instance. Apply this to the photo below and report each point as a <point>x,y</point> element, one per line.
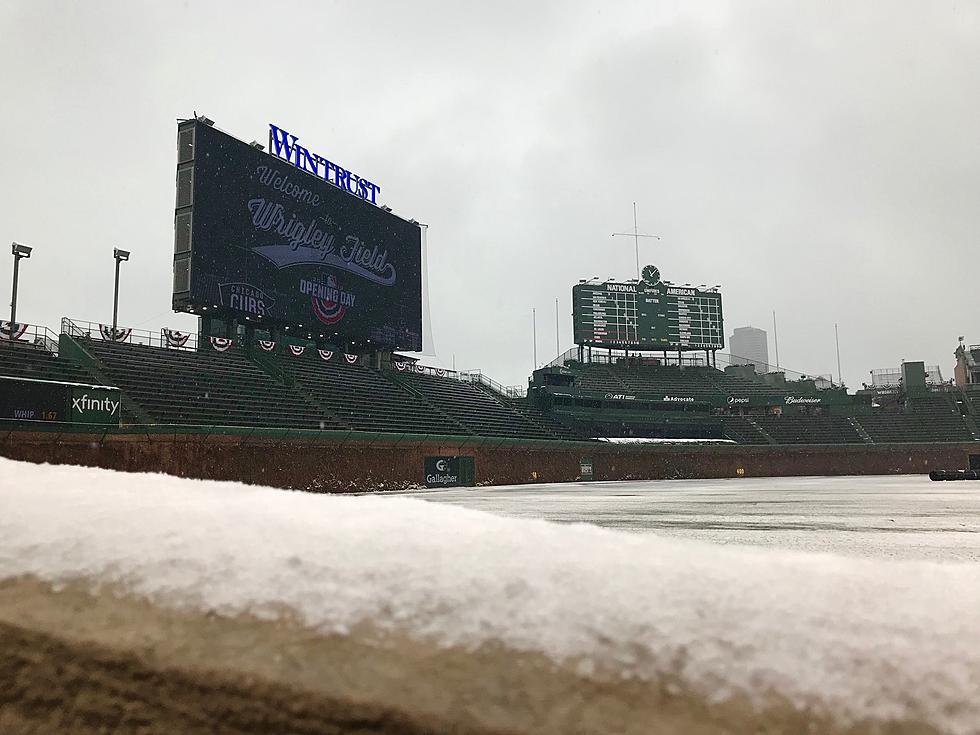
<point>861,638</point>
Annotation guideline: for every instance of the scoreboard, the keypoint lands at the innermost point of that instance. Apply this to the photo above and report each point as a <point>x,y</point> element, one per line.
<point>649,315</point>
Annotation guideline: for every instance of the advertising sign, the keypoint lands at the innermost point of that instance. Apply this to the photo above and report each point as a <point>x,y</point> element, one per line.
<point>258,239</point>
<point>94,405</point>
<point>448,471</point>
<point>47,400</point>
<point>32,400</point>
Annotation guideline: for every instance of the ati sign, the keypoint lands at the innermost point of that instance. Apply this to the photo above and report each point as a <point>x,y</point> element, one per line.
<point>90,405</point>
<point>449,471</point>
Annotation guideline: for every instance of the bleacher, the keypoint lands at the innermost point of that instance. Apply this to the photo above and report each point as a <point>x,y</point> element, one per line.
<point>932,404</point>
<point>480,413</point>
<point>792,429</point>
<point>543,418</point>
<point>648,381</point>
<point>365,400</point>
<point>211,388</point>
<point>742,430</point>
<point>884,427</point>
<point>20,359</point>
<point>737,385</point>
<point>204,388</point>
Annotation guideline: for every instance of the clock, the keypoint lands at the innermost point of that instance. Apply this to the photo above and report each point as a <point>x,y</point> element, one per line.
<point>651,274</point>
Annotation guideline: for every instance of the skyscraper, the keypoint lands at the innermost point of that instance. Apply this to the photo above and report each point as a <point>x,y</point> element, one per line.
<point>750,345</point>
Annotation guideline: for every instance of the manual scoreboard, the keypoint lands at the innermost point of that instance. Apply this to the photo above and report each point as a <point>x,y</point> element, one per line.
<point>649,315</point>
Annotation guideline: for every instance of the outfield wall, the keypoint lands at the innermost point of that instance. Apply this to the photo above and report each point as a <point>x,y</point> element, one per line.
<point>328,461</point>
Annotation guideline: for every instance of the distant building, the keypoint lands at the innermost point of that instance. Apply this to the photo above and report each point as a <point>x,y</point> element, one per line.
<point>750,346</point>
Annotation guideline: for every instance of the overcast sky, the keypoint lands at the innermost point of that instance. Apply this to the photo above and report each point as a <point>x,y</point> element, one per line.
<point>818,159</point>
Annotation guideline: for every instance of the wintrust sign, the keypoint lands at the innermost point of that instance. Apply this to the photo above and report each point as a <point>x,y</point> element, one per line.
<point>286,146</point>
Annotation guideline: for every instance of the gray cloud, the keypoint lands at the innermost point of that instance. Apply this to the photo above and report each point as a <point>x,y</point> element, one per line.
<point>817,160</point>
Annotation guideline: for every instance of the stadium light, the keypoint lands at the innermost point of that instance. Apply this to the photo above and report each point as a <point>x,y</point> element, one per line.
<point>19,251</point>
<point>119,256</point>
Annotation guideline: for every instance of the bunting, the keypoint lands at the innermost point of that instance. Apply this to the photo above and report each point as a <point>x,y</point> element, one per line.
<point>297,350</point>
<point>267,344</point>
<point>119,335</point>
<point>221,344</point>
<point>173,338</point>
<point>325,354</point>
<point>9,330</point>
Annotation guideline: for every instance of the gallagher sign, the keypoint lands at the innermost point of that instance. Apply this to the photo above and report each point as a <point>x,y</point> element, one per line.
<point>286,146</point>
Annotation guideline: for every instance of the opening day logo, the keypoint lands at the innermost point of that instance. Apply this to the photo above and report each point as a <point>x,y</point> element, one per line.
<point>328,300</point>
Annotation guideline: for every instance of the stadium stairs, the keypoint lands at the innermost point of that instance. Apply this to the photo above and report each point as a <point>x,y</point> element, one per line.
<point>363,399</point>
<point>744,430</point>
<point>470,406</point>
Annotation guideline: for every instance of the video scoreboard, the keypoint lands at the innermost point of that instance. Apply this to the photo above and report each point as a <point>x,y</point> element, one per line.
<point>649,315</point>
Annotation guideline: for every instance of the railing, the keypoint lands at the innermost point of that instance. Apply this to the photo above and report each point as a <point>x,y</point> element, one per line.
<point>168,338</point>
<point>602,356</point>
<point>464,376</point>
<point>34,334</point>
<point>509,391</point>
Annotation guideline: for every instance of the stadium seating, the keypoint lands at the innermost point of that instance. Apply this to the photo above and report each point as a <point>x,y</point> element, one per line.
<point>27,360</point>
<point>743,430</point>
<point>884,427</point>
<point>210,388</point>
<point>647,381</point>
<point>365,400</point>
<point>477,410</point>
<point>543,418</point>
<point>204,388</point>
<point>793,429</point>
<point>932,404</point>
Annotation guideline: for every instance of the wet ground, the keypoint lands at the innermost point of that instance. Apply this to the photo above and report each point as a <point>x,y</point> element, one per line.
<point>902,517</point>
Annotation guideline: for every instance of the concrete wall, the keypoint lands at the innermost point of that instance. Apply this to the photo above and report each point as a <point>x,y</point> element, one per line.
<point>361,466</point>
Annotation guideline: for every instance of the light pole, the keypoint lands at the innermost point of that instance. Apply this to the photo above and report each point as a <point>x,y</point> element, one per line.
<point>120,256</point>
<point>19,251</point>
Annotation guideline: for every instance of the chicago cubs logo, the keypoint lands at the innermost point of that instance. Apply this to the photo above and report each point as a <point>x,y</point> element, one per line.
<point>328,301</point>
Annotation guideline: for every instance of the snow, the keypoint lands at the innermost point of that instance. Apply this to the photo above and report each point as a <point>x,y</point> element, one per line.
<point>861,638</point>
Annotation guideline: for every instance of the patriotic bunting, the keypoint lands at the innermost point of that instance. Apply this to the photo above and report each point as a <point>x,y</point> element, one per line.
<point>325,354</point>
<point>400,366</point>
<point>351,359</point>
<point>174,338</point>
<point>267,344</point>
<point>297,350</point>
<point>221,344</point>
<point>119,335</point>
<point>9,330</point>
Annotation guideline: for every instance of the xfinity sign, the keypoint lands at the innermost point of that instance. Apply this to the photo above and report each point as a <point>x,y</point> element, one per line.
<point>94,405</point>
<point>286,146</point>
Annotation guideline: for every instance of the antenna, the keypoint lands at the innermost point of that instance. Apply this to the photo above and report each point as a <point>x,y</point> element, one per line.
<point>636,235</point>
